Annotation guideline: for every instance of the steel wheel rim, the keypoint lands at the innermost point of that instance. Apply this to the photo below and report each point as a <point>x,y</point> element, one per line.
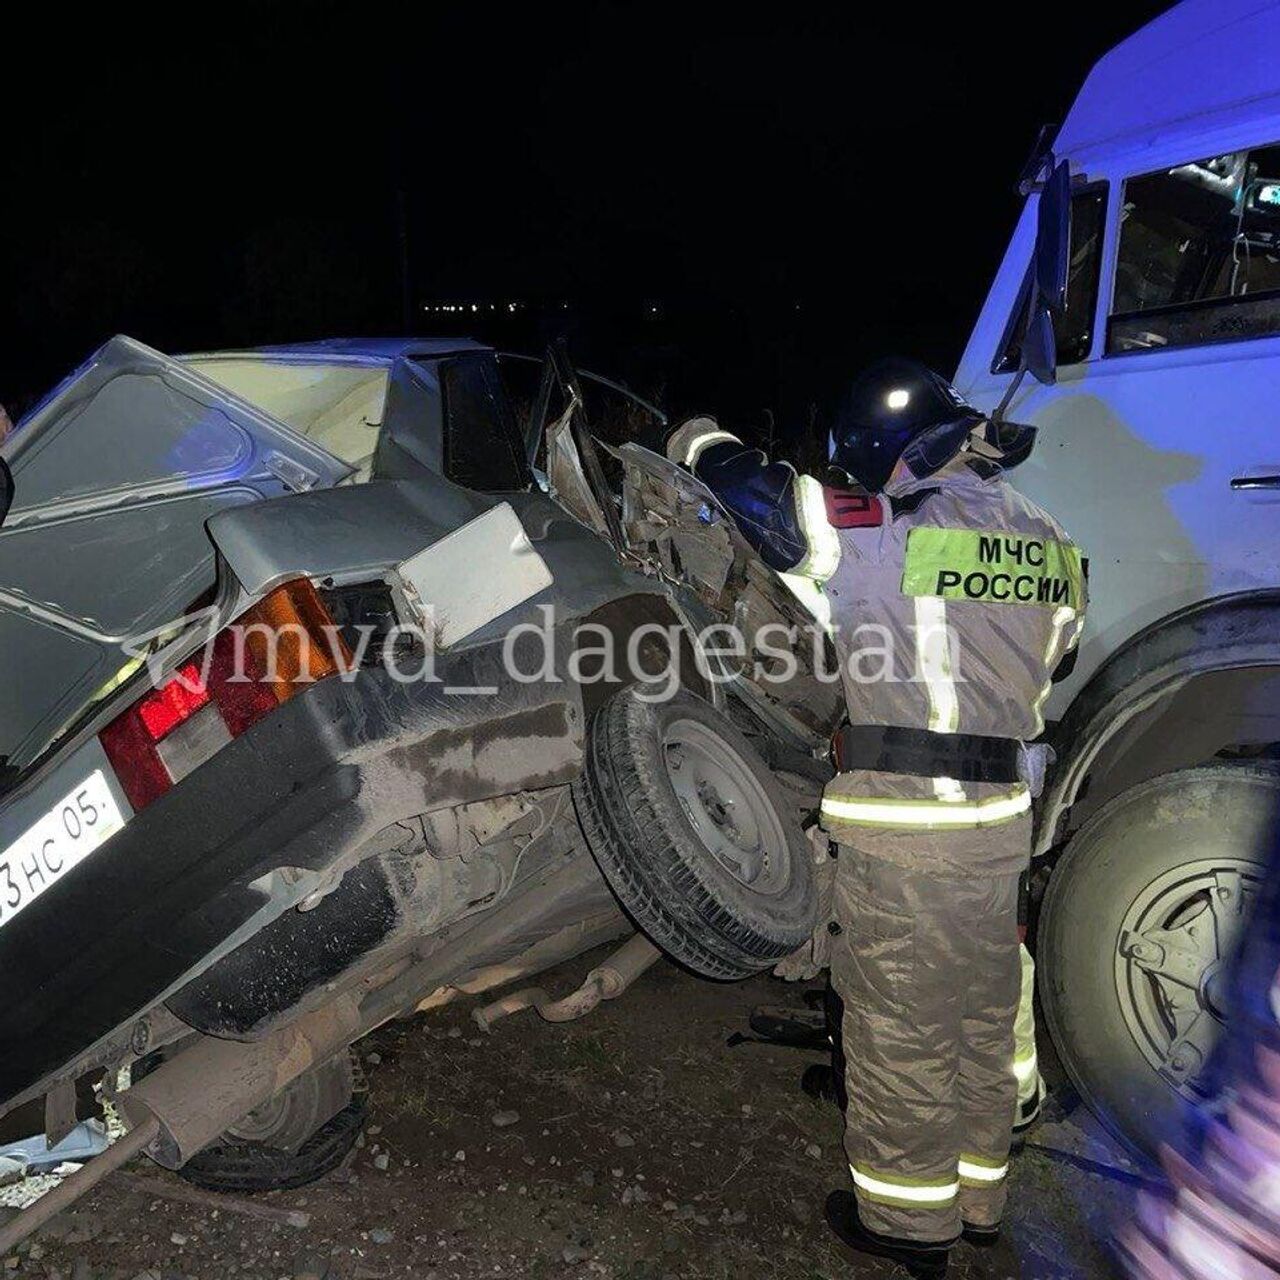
<point>279,1117</point>
<point>726,805</point>
<point>1170,957</point>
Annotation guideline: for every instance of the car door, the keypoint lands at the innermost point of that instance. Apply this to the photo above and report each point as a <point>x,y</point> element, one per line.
<point>672,518</point>
<point>674,527</point>
<point>114,476</point>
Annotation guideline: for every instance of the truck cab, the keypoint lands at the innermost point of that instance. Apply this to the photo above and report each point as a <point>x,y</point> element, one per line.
<point>1159,450</point>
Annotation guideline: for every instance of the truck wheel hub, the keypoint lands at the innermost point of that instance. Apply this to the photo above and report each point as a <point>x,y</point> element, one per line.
<point>1169,963</point>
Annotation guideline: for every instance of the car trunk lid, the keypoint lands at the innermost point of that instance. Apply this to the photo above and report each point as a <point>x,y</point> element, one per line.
<point>114,476</point>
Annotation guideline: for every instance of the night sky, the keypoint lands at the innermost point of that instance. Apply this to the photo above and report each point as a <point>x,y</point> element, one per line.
<point>739,205</point>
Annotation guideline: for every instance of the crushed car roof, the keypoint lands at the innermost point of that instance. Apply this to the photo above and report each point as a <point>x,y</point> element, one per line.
<point>361,350</point>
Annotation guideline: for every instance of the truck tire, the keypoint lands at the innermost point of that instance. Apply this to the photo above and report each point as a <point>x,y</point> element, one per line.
<point>293,1139</point>
<point>691,833</point>
<point>1136,929</point>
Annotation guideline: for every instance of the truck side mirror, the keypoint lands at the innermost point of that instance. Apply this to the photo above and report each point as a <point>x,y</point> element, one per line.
<point>1040,346</point>
<point>1053,238</point>
<point>1050,262</point>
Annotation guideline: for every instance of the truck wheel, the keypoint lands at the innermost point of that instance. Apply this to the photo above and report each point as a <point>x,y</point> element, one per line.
<point>690,831</point>
<point>292,1139</point>
<point>1139,921</point>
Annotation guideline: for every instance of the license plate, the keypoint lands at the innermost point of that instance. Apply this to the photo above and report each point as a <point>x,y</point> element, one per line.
<point>82,820</point>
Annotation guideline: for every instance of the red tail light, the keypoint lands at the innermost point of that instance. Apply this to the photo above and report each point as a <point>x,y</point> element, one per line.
<point>278,648</point>
<point>175,702</point>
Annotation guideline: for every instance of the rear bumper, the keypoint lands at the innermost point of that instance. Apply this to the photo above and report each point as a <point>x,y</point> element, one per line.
<point>310,784</point>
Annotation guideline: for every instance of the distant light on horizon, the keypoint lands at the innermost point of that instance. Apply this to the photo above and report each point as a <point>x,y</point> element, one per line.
<point>511,306</point>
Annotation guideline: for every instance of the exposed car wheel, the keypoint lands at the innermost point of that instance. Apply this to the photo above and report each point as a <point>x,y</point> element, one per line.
<point>291,1139</point>
<point>1138,924</point>
<point>693,836</point>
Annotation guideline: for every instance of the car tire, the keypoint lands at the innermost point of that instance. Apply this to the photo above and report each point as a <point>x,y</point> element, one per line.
<point>295,1138</point>
<point>1157,857</point>
<point>692,834</point>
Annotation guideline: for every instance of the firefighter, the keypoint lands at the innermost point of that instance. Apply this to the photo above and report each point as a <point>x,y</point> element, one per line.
<point>801,1029</point>
<point>951,599</point>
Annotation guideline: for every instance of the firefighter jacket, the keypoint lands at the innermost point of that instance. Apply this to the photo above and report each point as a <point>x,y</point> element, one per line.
<point>952,600</point>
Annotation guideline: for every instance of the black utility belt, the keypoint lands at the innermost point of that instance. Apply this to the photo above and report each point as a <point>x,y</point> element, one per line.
<point>966,757</point>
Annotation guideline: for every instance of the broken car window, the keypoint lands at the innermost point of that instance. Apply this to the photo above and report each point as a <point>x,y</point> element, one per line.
<point>482,448</point>
<point>339,407</point>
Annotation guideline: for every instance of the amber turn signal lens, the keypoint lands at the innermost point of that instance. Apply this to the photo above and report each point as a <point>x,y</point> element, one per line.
<point>282,645</point>
<point>292,640</point>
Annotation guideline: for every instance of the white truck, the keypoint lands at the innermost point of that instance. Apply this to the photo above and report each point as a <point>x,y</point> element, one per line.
<point>1159,449</point>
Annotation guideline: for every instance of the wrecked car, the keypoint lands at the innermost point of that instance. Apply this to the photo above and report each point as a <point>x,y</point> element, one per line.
<point>347,678</point>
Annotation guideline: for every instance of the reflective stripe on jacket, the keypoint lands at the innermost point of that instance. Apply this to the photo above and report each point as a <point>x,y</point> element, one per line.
<point>952,600</point>
<point>951,615</point>
<point>781,513</point>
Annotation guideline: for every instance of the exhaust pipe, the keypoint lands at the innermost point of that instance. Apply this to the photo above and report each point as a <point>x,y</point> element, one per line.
<point>188,1101</point>
<point>606,982</point>
<point>213,1083</point>
<point>72,1188</point>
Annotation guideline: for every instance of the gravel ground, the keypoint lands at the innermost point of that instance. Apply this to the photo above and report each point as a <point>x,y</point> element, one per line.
<point>634,1144</point>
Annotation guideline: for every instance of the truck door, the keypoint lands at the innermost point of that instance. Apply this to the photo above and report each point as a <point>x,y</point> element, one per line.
<point>1158,447</point>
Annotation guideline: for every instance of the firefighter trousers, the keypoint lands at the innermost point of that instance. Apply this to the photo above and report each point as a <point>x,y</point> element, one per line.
<point>926,967</point>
